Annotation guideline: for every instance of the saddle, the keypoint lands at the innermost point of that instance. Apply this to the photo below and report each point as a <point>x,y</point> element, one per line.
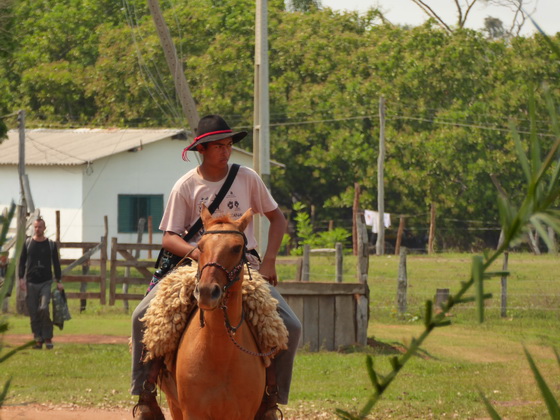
<point>169,312</point>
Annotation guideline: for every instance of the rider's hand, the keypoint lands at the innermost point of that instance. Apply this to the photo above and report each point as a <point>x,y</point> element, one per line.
<point>268,270</point>
<point>195,255</point>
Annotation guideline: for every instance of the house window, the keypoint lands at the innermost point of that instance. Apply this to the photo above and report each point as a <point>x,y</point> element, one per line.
<point>134,207</point>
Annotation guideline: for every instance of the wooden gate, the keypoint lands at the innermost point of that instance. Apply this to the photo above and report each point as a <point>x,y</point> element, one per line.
<point>88,248</point>
<point>125,250</point>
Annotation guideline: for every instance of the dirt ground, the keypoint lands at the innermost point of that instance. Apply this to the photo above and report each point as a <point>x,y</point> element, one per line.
<point>74,412</point>
<point>18,339</point>
<point>64,412</point>
<point>67,411</point>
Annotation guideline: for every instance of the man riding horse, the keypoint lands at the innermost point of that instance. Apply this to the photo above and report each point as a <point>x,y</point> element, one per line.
<point>198,187</point>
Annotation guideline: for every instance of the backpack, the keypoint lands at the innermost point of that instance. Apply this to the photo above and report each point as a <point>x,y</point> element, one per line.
<point>28,243</point>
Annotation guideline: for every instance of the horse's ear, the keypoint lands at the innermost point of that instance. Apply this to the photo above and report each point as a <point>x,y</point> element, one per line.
<point>205,215</point>
<point>244,220</point>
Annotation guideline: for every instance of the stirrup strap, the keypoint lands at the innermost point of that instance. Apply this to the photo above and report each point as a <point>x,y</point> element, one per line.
<point>271,388</point>
<point>153,374</point>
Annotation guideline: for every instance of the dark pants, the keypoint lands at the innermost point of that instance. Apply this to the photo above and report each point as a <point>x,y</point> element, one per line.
<point>38,300</point>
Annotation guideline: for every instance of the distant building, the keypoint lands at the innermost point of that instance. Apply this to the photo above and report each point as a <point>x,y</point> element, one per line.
<point>88,174</point>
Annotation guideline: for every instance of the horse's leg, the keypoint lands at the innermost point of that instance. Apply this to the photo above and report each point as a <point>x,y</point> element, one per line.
<point>176,413</point>
<point>169,387</point>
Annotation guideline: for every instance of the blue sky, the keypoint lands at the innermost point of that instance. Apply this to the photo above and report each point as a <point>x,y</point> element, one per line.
<point>547,12</point>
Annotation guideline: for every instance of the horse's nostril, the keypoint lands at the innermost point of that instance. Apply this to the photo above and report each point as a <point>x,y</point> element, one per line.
<point>216,292</point>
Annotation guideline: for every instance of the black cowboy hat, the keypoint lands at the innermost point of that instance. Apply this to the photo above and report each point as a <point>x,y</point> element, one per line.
<point>213,128</point>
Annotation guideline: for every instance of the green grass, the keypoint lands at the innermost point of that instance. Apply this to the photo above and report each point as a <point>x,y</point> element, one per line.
<point>442,381</point>
<point>533,284</point>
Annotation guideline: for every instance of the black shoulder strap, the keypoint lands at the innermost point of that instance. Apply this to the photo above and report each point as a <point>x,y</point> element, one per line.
<point>217,201</point>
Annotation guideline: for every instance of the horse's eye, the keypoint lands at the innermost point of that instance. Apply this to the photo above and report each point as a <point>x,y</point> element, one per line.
<point>236,249</point>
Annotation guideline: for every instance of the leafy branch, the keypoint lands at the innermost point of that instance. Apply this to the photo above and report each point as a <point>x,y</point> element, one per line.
<point>542,193</point>
<point>4,288</point>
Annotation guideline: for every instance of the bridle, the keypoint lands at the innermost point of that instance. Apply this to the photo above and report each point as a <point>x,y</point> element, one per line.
<point>232,276</point>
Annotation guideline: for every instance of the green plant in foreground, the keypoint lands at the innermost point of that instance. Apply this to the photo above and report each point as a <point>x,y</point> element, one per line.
<point>6,286</point>
<point>542,193</point>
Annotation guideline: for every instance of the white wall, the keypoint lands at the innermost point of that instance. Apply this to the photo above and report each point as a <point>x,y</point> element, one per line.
<point>152,170</point>
<point>52,188</point>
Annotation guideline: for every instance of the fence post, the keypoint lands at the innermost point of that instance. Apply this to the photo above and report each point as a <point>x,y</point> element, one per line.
<point>150,235</point>
<point>504,286</point>
<point>103,269</point>
<point>552,235</point>
<point>432,232</point>
<point>83,285</point>
<point>363,254</point>
<point>339,266</point>
<point>362,301</point>
<point>399,235</point>
<point>113,279</point>
<point>103,262</point>
<point>355,217</point>
<point>141,224</point>
<point>306,264</point>
<point>442,296</point>
<point>402,285</point>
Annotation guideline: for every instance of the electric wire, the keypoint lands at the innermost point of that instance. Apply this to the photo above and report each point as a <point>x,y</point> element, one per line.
<point>156,79</point>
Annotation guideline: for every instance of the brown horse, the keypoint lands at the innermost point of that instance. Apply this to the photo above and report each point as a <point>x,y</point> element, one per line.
<point>216,375</point>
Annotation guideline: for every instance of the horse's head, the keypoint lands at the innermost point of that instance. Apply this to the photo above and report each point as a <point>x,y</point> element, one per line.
<point>222,254</point>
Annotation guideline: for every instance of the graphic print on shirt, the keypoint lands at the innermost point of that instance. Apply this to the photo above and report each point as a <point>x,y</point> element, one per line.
<point>230,205</point>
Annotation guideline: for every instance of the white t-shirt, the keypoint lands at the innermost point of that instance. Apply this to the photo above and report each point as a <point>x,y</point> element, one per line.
<point>191,191</point>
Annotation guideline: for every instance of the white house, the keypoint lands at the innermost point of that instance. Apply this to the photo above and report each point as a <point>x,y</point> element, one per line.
<point>87,174</point>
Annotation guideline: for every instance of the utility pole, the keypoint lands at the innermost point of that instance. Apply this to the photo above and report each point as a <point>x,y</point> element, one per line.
<point>380,244</point>
<point>21,155</point>
<point>21,226</point>
<point>175,66</point>
<point>261,127</point>
<point>26,199</point>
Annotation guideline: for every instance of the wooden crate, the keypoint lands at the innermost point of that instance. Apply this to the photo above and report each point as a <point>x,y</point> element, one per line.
<point>333,315</point>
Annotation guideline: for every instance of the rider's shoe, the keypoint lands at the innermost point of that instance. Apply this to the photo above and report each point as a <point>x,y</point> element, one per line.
<point>272,413</point>
<point>269,409</point>
<point>147,407</point>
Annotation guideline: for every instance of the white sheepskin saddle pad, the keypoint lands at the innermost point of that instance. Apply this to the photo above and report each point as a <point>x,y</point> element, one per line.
<point>167,316</point>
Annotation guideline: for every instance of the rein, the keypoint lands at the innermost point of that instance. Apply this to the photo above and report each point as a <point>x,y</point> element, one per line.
<point>232,276</point>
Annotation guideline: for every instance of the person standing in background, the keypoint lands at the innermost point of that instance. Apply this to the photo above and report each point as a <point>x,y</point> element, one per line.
<point>38,258</point>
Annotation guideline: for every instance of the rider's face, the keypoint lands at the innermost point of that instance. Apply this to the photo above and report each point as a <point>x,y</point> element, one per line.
<point>217,152</point>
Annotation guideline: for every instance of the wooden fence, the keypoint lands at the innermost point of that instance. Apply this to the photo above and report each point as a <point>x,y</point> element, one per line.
<point>130,261</point>
<point>333,315</point>
<point>88,249</point>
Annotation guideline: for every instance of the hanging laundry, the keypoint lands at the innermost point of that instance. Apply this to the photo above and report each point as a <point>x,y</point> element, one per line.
<point>372,219</point>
